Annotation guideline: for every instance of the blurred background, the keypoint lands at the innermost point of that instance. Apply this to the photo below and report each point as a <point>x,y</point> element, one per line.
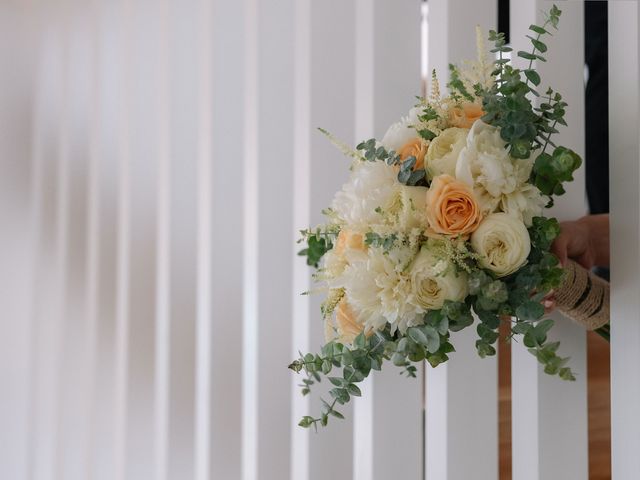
<point>157,160</point>
<point>156,168</point>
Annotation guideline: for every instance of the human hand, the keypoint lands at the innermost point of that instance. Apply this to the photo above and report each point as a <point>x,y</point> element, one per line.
<point>586,241</point>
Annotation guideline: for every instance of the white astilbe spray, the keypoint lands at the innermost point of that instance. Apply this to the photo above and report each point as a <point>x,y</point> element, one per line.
<point>479,71</point>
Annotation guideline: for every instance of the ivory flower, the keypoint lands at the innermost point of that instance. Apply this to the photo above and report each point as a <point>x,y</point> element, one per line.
<point>378,288</point>
<point>500,181</point>
<point>434,280</point>
<point>503,243</point>
<point>372,185</point>
<point>443,152</point>
<point>400,133</point>
<point>451,207</point>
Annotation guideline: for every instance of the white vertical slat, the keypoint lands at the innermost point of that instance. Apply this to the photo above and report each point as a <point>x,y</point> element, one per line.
<point>333,94</point>
<point>47,317</point>
<point>204,238</point>
<point>226,103</point>
<point>163,253</point>
<point>250,292</point>
<point>42,201</point>
<point>268,210</point>
<point>74,329</point>
<point>549,416</point>
<point>625,237</point>
<point>300,455</point>
<point>61,290</point>
<point>461,395</point>
<point>365,124</point>
<point>21,217</point>
<point>92,272</point>
<point>102,460</point>
<point>388,80</point>
<point>184,108</point>
<point>145,52</point>
<point>123,248</point>
<point>325,95</point>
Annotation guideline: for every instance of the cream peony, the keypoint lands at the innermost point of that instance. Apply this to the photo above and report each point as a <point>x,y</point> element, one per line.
<point>400,133</point>
<point>373,196</point>
<point>443,152</point>
<point>500,181</point>
<point>434,280</point>
<point>378,288</point>
<point>503,243</point>
<point>372,185</point>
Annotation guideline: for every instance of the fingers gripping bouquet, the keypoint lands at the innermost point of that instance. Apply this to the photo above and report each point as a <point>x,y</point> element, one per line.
<point>441,223</point>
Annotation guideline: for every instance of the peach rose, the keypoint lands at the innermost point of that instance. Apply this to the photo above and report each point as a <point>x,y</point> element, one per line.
<point>466,115</point>
<point>451,207</point>
<point>349,240</point>
<point>347,325</point>
<point>415,147</point>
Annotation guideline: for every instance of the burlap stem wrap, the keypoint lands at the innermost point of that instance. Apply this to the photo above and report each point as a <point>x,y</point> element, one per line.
<point>583,297</point>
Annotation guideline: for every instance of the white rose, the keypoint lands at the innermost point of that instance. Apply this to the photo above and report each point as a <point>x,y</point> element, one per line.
<point>503,243</point>
<point>500,181</point>
<point>444,150</point>
<point>401,132</point>
<point>434,280</point>
<point>372,185</point>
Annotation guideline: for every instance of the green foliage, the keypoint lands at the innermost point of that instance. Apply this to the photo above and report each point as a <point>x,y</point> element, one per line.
<point>371,152</point>
<point>550,171</point>
<point>428,113</point>
<point>318,243</point>
<point>543,231</point>
<point>507,105</point>
<point>407,175</point>
<point>523,127</point>
<point>426,134</point>
<point>456,86</point>
<point>384,242</point>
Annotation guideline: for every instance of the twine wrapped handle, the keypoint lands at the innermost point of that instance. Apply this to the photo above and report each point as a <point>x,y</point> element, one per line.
<point>583,297</point>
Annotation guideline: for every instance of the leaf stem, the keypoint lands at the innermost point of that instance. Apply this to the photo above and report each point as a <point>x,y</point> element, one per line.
<point>533,51</point>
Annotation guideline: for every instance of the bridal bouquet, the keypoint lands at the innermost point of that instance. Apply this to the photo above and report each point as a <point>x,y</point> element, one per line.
<point>441,226</point>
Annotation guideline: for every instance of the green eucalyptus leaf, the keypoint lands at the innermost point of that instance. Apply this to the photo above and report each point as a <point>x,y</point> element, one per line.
<point>532,76</point>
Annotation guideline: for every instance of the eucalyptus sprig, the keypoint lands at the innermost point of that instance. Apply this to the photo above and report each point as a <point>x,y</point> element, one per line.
<point>407,173</point>
<point>319,242</point>
<point>525,128</point>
